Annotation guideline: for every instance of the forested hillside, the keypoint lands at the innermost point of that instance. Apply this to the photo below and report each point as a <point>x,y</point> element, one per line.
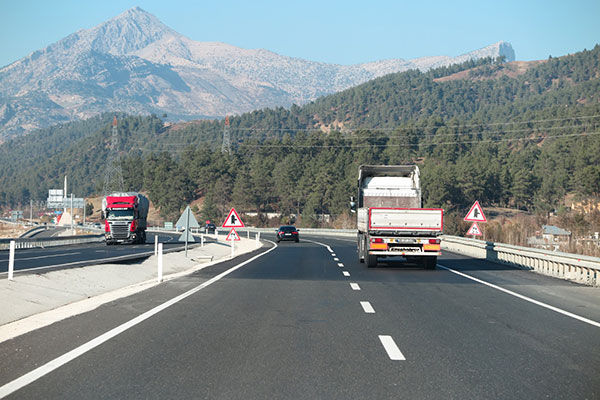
<point>478,130</point>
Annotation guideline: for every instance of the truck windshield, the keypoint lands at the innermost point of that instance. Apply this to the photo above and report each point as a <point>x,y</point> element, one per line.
<point>120,214</point>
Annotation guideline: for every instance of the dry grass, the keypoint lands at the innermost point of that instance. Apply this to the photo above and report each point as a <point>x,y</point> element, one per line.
<point>9,231</point>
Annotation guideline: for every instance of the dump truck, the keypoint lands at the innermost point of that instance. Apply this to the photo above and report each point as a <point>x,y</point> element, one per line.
<point>390,219</point>
<point>125,217</point>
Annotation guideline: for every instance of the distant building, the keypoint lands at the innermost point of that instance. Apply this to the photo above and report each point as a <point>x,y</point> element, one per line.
<point>16,215</point>
<point>550,238</point>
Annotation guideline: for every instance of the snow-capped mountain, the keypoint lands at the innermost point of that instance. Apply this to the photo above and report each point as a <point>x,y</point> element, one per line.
<point>136,64</point>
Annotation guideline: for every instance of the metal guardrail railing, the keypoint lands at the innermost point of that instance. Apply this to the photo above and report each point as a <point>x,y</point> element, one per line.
<point>573,267</point>
<point>29,243</point>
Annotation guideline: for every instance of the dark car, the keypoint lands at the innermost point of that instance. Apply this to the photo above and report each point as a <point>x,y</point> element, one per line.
<point>210,228</point>
<point>288,232</point>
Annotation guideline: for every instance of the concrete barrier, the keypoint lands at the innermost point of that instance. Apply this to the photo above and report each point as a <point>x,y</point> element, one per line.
<point>573,267</point>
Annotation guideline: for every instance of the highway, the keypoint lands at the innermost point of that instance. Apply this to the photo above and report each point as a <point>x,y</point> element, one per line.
<point>308,321</point>
<point>38,260</point>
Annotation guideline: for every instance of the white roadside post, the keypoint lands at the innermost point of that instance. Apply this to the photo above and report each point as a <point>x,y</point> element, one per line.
<point>202,240</point>
<point>257,239</point>
<point>160,262</point>
<point>11,260</point>
<point>232,246</point>
<point>156,244</point>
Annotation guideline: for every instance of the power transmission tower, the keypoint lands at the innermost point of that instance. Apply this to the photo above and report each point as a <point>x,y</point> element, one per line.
<point>226,146</point>
<point>113,177</point>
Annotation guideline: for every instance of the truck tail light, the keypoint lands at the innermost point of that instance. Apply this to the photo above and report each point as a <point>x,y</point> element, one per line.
<point>132,228</point>
<point>434,241</point>
<point>106,226</point>
<point>376,240</point>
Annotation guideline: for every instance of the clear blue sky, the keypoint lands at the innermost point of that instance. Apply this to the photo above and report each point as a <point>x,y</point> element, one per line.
<point>342,32</point>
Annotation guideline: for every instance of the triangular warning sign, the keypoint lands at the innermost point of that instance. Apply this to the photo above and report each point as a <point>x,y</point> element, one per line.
<point>233,220</point>
<point>476,213</point>
<point>187,219</point>
<point>474,230</point>
<point>190,238</point>
<point>233,235</point>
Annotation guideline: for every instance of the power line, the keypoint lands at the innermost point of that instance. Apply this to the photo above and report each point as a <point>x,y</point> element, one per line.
<point>422,136</point>
<point>497,140</point>
<point>409,128</point>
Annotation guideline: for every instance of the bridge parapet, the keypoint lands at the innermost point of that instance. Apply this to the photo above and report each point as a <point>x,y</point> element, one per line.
<point>573,267</point>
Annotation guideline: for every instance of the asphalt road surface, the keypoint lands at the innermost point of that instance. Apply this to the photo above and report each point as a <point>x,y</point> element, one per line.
<point>307,321</point>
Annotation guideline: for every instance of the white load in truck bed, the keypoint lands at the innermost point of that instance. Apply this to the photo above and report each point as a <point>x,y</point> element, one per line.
<point>400,219</point>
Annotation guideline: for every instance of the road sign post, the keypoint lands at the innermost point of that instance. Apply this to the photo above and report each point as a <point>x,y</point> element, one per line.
<point>233,237</point>
<point>160,263</point>
<point>11,260</point>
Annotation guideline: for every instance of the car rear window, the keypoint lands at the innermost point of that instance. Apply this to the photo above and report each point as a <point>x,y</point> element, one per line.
<point>287,228</point>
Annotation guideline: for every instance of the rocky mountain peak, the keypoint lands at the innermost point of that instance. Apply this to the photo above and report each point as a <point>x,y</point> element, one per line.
<point>129,31</point>
<point>136,64</point>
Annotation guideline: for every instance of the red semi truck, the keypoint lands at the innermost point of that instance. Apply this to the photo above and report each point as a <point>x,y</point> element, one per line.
<point>125,217</point>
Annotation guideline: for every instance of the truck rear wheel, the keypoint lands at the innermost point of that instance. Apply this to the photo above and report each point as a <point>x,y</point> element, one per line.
<point>429,262</point>
<point>370,260</point>
<point>361,256</point>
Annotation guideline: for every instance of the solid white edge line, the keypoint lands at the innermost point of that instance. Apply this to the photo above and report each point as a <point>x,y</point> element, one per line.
<point>45,369</point>
<point>520,296</point>
<point>321,244</point>
<point>367,307</point>
<point>346,273</point>
<point>391,348</point>
<point>355,286</point>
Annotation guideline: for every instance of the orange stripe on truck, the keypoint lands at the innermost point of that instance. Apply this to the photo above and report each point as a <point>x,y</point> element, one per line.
<point>378,246</point>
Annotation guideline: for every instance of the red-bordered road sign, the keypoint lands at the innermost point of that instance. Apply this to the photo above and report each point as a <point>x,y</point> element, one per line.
<point>233,220</point>
<point>233,235</point>
<point>476,213</point>
<point>474,230</point>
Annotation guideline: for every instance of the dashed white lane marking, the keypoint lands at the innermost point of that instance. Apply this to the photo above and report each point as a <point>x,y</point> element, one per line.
<point>336,259</point>
<point>84,348</point>
<point>340,265</point>
<point>520,296</point>
<point>346,273</point>
<point>355,286</point>
<point>367,307</point>
<point>333,255</point>
<point>391,348</point>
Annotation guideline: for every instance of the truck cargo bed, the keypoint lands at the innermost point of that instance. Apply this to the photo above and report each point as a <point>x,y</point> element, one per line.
<point>401,219</point>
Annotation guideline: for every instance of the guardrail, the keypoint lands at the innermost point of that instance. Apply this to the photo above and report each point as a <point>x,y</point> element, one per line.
<point>29,243</point>
<point>573,267</point>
